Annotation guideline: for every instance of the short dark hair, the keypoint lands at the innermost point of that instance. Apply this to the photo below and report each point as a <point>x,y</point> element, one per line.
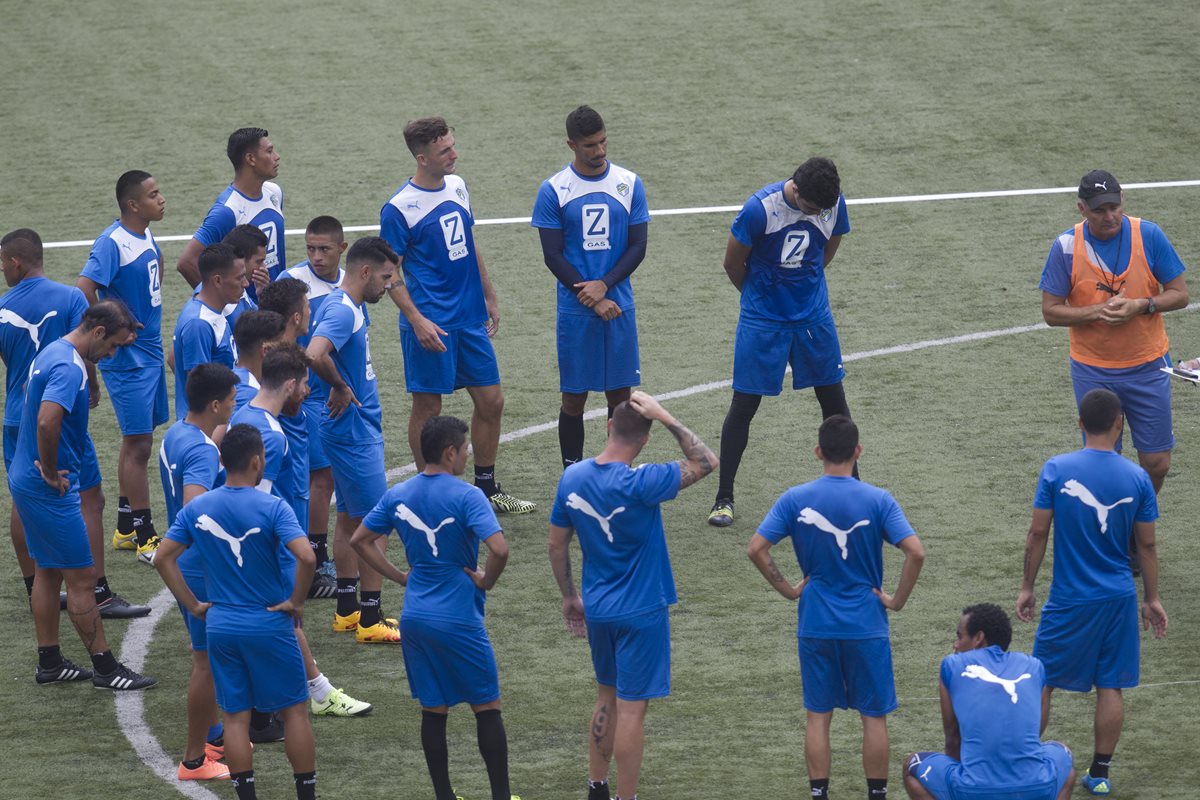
<point>325,225</point>
<point>1098,410</point>
<point>208,382</point>
<point>282,363</point>
<point>438,433</point>
<point>285,296</point>
<point>255,327</point>
<point>371,249</point>
<point>991,619</point>
<point>420,133</point>
<point>583,121</point>
<point>245,239</point>
<point>241,142</point>
<point>628,424</point>
<point>837,436</point>
<point>241,443</point>
<point>216,258</point>
<point>817,182</point>
<point>129,186</point>
<point>111,314</point>
<point>25,244</point>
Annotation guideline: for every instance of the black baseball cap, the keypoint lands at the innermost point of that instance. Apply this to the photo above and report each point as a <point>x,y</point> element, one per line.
<point>1099,187</point>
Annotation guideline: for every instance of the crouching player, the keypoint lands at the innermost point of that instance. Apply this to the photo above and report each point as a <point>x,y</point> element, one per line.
<point>447,655</point>
<point>252,648</point>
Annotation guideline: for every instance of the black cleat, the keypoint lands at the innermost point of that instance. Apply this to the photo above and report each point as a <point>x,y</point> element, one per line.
<point>122,679</point>
<point>322,587</point>
<point>273,732</point>
<point>117,607</point>
<point>65,672</point>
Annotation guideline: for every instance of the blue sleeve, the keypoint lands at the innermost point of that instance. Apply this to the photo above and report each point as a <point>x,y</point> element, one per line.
<point>1148,507</point>
<point>1165,263</point>
<point>947,671</point>
<point>273,447</point>
<point>196,344</point>
<point>287,527</point>
<point>79,307</point>
<point>481,519</point>
<point>200,466</point>
<point>62,387</point>
<point>1045,488</point>
<point>750,223</point>
<point>895,525</point>
<point>393,229</point>
<point>336,325</point>
<point>777,524</point>
<point>216,226</point>
<point>379,518</point>
<point>103,262</point>
<point>1056,274</point>
<point>639,211</point>
<point>842,226</point>
<point>658,483</point>
<point>558,512</point>
<point>181,529</point>
<point>546,211</point>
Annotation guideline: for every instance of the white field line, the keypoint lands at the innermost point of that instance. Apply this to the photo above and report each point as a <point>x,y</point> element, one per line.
<point>671,212</point>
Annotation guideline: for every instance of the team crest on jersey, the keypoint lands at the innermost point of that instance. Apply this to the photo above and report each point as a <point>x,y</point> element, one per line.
<point>623,189</point>
<point>826,215</point>
<point>461,194</point>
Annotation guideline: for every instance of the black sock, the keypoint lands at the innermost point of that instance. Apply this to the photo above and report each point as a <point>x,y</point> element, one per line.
<point>437,754</point>
<point>1100,764</point>
<point>28,585</point>
<point>103,593</point>
<point>485,479</point>
<point>819,788</point>
<point>320,546</point>
<point>49,657</point>
<point>243,784</point>
<point>735,432</point>
<point>833,401</point>
<point>195,763</point>
<point>104,663</point>
<point>570,438</point>
<point>347,596</point>
<point>876,788</point>
<point>306,785</point>
<point>143,525</point>
<point>493,746</point>
<point>369,606</point>
<point>259,719</point>
<point>124,516</point>
<point>598,790</point>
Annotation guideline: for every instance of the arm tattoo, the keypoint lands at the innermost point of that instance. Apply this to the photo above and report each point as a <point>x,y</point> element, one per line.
<point>699,457</point>
<point>775,574</point>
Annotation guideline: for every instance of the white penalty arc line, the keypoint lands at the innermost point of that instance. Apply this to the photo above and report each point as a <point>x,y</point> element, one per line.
<point>673,212</point>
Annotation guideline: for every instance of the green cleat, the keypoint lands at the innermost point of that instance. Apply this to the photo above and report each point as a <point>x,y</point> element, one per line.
<point>340,704</point>
<point>721,515</point>
<point>505,503</point>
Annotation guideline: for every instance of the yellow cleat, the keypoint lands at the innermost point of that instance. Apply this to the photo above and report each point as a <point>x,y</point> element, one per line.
<point>145,552</point>
<point>347,623</point>
<point>124,541</point>
<point>384,632</point>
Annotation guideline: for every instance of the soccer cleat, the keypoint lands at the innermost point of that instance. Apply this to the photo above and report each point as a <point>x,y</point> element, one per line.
<point>328,569</point>
<point>124,541</point>
<point>122,679</point>
<point>1100,786</point>
<point>272,732</point>
<point>210,770</point>
<point>721,515</point>
<point>347,623</point>
<point>65,672</point>
<point>214,752</point>
<point>117,607</point>
<point>505,503</point>
<point>146,551</point>
<point>322,587</point>
<point>385,631</point>
<point>340,704</point>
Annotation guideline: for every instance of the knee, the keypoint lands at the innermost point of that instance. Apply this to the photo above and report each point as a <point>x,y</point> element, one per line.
<point>1156,464</point>
<point>321,480</point>
<point>426,405</point>
<point>490,405</point>
<point>92,500</point>
<point>138,446</point>
<point>573,405</point>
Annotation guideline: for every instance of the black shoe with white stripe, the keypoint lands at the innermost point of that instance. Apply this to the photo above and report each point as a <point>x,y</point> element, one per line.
<point>65,672</point>
<point>117,607</point>
<point>322,587</point>
<point>122,679</point>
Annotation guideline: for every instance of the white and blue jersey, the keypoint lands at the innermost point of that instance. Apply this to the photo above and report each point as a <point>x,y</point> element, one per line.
<point>318,292</point>
<point>202,335</point>
<point>838,526</point>
<point>441,520</point>
<point>431,231</point>
<point>58,375</point>
<point>615,511</point>
<point>187,456</point>
<point>275,450</point>
<point>594,214</point>
<point>785,273</point>
<point>1096,497</point>
<point>34,313</point>
<point>346,325</point>
<point>265,212</point>
<point>128,267</point>
<point>246,389</point>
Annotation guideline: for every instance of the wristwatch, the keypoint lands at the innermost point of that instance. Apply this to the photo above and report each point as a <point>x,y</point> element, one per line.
<point>1150,307</point>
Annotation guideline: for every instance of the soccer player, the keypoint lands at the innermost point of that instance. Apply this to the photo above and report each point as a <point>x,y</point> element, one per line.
<point>351,428</point>
<point>779,247</point>
<point>126,264</point>
<point>838,526</point>
<point>591,218</point>
<point>447,655</point>
<point>448,319</point>
<point>249,244</point>
<point>54,456</point>
<point>1098,502</point>
<point>627,582</point>
<point>252,333</point>
<point>1109,279</point>
<point>321,274</point>
<point>991,710</point>
<point>252,198</point>
<point>254,608</point>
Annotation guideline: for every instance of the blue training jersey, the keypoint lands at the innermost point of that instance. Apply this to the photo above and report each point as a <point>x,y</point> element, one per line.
<point>441,521</point>
<point>997,699</point>
<point>58,375</point>
<point>265,212</point>
<point>431,231</point>
<point>237,533</point>
<point>187,457</point>
<point>128,267</point>
<point>34,313</point>
<point>594,214</point>
<point>1096,497</point>
<point>276,475</point>
<point>838,527</point>
<point>318,292</point>
<point>246,389</point>
<point>614,510</point>
<point>785,273</point>
<point>346,325</point>
<point>202,335</point>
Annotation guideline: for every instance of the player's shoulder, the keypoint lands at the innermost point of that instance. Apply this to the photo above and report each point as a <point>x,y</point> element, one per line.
<point>106,236</point>
<point>273,193</point>
<point>623,174</point>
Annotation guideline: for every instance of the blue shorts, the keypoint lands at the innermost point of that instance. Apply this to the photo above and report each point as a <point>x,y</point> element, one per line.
<point>1146,402</point>
<point>10,445</point>
<point>1094,644</point>
<point>848,673</point>
<point>257,669</point>
<point>633,654</point>
<point>597,356</point>
<point>316,450</point>
<point>197,628</point>
<point>359,477</point>
<point>942,777</point>
<point>469,360</point>
<point>89,468</point>
<point>54,531</point>
<point>761,356</point>
<point>448,664</point>
<point>139,398</point>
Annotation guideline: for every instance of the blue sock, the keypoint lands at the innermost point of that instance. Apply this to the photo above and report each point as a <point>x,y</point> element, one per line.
<point>215,732</point>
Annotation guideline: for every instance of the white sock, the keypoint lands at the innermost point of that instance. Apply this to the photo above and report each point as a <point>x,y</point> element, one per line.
<point>319,688</point>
